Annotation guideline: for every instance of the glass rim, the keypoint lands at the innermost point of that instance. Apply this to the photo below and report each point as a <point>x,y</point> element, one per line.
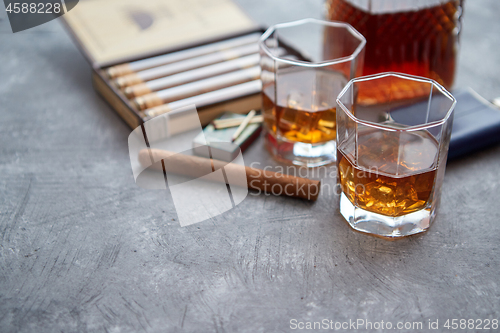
<point>403,76</point>
<point>302,63</point>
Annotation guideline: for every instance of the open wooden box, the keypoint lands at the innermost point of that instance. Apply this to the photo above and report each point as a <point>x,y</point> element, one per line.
<point>112,32</point>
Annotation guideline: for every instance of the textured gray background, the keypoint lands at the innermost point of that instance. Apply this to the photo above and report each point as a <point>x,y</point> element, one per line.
<point>82,248</point>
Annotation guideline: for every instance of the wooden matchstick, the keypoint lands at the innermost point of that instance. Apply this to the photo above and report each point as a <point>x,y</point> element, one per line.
<point>139,65</point>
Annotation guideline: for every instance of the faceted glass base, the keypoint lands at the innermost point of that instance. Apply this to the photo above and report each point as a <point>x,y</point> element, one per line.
<point>302,154</point>
<point>382,225</point>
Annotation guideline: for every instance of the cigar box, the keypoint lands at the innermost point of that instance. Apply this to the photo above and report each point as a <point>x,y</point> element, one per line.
<point>113,32</point>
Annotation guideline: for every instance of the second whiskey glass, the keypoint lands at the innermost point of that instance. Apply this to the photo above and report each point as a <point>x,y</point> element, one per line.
<point>299,93</point>
<point>392,156</point>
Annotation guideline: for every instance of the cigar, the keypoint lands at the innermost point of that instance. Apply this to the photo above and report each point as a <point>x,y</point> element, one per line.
<point>198,74</point>
<point>184,65</point>
<point>257,179</point>
<point>195,88</point>
<point>233,122</point>
<point>190,76</point>
<point>140,65</point>
<point>216,96</point>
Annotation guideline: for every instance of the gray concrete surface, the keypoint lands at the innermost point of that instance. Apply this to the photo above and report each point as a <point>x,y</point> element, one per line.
<point>83,249</point>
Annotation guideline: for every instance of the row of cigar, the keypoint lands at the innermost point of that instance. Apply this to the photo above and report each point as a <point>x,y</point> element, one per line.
<point>201,75</point>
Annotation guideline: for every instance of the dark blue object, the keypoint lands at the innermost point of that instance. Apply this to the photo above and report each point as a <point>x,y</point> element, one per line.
<point>476,124</point>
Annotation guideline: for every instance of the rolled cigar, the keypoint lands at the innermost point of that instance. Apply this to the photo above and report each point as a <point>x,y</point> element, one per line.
<point>184,65</point>
<point>216,96</point>
<point>119,70</point>
<point>263,180</point>
<point>192,75</point>
<point>164,59</point>
<point>199,73</point>
<point>195,88</point>
<point>233,122</point>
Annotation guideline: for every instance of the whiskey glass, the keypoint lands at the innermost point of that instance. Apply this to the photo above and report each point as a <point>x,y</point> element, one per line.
<point>299,89</point>
<point>392,155</point>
